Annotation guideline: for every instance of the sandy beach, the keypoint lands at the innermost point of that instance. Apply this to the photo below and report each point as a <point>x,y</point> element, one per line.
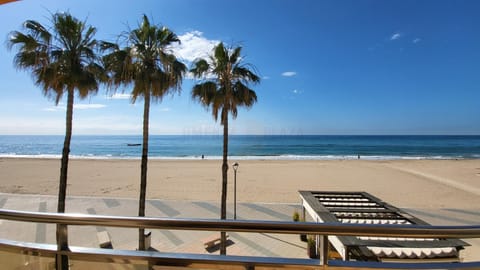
<point>403,183</point>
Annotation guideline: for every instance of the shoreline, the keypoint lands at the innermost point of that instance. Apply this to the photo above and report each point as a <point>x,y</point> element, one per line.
<point>246,158</point>
<point>403,183</point>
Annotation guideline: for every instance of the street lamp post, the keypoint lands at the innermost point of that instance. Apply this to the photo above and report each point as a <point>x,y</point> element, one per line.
<point>235,167</point>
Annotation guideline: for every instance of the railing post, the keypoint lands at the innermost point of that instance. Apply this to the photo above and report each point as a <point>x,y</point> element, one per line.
<point>323,251</point>
<point>62,245</point>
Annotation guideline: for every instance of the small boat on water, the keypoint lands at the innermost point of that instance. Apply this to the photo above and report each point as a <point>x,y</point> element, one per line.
<point>134,144</point>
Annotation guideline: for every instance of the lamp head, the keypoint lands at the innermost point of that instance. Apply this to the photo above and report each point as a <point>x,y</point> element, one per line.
<point>235,166</point>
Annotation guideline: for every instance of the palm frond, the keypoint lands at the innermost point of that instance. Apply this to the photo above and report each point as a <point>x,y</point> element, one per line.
<point>166,37</point>
<point>243,95</point>
<point>145,62</point>
<point>245,75</point>
<point>220,58</point>
<point>37,30</point>
<point>234,57</point>
<point>62,59</point>
<point>205,93</point>
<point>200,68</point>
<point>106,46</point>
<point>228,90</point>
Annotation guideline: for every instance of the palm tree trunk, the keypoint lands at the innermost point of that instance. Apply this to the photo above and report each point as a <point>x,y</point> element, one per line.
<point>143,175</point>
<point>223,214</point>
<point>62,234</point>
<point>62,191</point>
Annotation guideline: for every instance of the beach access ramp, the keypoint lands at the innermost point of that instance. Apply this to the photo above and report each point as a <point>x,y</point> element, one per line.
<point>364,208</point>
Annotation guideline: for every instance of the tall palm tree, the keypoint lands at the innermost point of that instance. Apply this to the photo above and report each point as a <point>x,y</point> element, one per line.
<point>227,91</point>
<point>62,60</point>
<point>147,64</point>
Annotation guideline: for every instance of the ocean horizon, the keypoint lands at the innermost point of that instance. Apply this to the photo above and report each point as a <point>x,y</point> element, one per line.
<point>247,147</point>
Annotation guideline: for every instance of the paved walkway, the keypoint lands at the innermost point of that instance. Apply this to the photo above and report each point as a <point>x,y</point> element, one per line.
<point>249,244</point>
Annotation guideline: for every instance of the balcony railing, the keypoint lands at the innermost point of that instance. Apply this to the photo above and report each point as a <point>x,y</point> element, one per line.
<point>44,256</point>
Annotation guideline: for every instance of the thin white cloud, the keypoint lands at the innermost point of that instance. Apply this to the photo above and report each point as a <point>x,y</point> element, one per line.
<point>53,109</point>
<point>395,36</point>
<point>165,109</point>
<point>297,92</point>
<point>119,96</point>
<point>61,107</point>
<point>266,77</point>
<point>417,40</point>
<point>88,106</point>
<point>289,73</point>
<point>193,46</point>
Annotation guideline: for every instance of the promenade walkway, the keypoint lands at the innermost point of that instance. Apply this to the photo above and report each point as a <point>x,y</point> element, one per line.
<point>272,245</point>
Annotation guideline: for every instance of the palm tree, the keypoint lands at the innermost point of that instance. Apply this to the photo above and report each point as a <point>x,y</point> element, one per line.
<point>147,64</point>
<point>62,60</point>
<point>227,91</point>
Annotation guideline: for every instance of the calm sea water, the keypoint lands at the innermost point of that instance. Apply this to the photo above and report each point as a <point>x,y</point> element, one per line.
<point>248,147</point>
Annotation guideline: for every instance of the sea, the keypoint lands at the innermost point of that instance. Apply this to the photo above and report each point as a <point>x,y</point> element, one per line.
<point>246,147</point>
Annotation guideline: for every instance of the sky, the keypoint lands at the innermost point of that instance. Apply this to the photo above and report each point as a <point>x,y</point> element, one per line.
<point>328,67</point>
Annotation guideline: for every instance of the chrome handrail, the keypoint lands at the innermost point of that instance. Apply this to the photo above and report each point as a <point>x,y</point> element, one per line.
<point>252,226</point>
<point>255,226</point>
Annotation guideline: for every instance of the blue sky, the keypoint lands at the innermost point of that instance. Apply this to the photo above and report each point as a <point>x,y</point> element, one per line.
<point>328,67</point>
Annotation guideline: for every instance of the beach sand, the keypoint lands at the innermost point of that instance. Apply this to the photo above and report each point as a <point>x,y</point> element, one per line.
<point>403,183</point>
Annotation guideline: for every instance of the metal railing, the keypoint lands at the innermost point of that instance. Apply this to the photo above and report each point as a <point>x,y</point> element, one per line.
<point>226,262</point>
